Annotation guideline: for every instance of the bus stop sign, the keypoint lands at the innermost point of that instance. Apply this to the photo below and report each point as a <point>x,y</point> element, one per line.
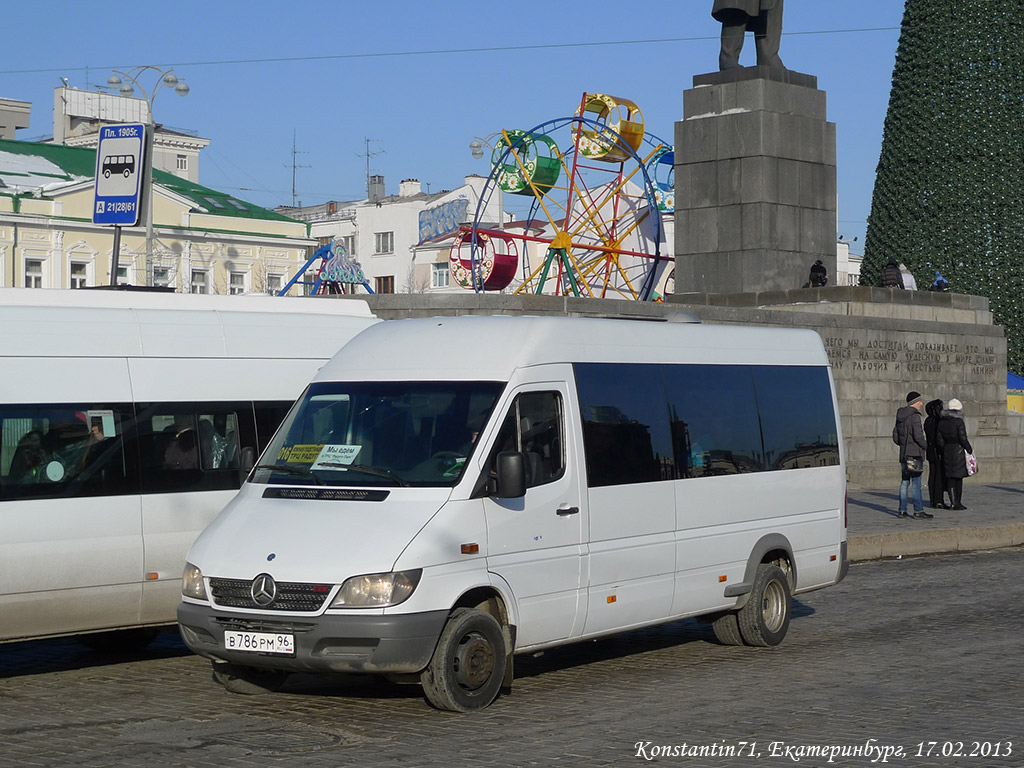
<point>119,173</point>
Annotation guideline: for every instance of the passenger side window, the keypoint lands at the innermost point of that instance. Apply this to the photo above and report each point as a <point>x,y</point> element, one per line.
<point>53,451</point>
<point>193,446</point>
<point>535,426</point>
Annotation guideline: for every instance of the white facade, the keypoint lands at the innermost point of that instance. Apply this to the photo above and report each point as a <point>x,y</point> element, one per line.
<point>77,116</point>
<point>397,238</point>
<point>847,265</point>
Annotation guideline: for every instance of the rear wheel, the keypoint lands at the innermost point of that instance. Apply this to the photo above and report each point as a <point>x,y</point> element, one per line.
<point>727,629</point>
<point>248,680</point>
<point>468,665</point>
<point>764,619</point>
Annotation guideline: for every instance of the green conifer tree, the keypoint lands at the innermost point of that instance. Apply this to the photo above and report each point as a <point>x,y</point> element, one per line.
<point>949,191</point>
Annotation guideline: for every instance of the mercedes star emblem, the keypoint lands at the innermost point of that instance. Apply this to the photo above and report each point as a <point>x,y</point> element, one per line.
<point>264,590</point>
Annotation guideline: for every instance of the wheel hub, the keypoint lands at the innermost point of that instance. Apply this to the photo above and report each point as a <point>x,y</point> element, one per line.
<point>474,661</point>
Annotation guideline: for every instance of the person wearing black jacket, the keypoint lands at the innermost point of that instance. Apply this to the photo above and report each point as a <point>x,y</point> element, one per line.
<point>936,475</point>
<point>951,441</point>
<point>891,276</point>
<point>909,436</point>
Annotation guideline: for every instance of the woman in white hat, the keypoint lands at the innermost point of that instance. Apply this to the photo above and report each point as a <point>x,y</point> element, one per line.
<point>953,445</point>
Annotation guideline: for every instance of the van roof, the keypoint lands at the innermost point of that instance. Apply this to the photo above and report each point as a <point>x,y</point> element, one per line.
<point>492,347</point>
<point>65,323</point>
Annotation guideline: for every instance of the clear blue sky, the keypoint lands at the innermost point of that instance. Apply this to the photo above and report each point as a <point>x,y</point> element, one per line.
<point>337,73</point>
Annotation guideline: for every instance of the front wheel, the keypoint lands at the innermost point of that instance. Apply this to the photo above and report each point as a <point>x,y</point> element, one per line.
<point>468,665</point>
<point>764,619</point>
<point>248,680</point>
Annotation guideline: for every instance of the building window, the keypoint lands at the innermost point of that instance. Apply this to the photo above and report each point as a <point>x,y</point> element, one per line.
<point>384,242</point>
<point>33,273</point>
<point>273,284</point>
<point>161,276</point>
<point>439,275</point>
<point>199,281</point>
<point>122,276</point>
<point>79,274</point>
<point>385,284</point>
<point>236,283</point>
<point>182,162</point>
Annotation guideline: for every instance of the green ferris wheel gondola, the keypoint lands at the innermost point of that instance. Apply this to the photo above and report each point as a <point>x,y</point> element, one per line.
<point>531,168</point>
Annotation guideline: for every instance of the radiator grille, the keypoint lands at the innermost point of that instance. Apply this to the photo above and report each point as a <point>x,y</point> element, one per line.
<point>291,596</point>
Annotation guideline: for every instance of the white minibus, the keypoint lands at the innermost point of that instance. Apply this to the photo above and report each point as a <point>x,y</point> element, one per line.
<point>125,423</point>
<point>449,492</point>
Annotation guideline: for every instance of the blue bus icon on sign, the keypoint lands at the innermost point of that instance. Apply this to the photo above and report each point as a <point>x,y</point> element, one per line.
<point>120,160</point>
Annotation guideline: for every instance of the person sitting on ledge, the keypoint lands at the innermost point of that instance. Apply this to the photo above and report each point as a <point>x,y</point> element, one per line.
<point>891,275</point>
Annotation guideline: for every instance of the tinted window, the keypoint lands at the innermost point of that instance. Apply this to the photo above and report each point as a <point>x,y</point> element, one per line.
<point>625,423</point>
<point>268,418</point>
<point>49,451</point>
<point>654,422</point>
<point>193,446</point>
<point>714,418</point>
<point>795,403</point>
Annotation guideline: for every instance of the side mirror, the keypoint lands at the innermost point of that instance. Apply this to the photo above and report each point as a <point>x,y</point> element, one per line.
<point>247,459</point>
<point>510,475</point>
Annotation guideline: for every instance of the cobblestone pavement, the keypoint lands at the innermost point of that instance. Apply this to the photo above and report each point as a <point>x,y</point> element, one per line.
<point>902,652</point>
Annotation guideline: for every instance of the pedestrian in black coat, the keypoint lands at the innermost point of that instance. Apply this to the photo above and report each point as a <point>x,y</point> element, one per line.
<point>891,276</point>
<point>936,475</point>
<point>951,440</point>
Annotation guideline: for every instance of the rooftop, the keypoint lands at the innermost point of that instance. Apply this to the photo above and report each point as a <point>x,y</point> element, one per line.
<point>28,167</point>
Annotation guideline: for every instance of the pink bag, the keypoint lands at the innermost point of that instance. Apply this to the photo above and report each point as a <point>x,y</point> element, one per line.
<point>972,464</point>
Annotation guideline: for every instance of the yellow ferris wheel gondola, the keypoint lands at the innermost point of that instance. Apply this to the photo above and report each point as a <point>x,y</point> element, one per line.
<point>618,128</point>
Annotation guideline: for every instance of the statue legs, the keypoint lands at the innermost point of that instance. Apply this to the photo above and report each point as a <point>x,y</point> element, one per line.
<point>767,29</point>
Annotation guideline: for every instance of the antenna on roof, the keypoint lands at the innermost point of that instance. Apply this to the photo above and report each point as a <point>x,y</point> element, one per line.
<point>293,166</point>
<point>368,154</point>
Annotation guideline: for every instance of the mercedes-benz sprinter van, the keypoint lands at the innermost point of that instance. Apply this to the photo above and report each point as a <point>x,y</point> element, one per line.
<point>449,492</point>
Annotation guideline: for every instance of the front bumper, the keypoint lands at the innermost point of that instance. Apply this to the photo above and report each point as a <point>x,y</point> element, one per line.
<point>402,643</point>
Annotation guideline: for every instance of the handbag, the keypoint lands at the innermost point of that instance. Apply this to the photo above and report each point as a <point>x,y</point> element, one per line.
<point>972,464</point>
<point>912,465</point>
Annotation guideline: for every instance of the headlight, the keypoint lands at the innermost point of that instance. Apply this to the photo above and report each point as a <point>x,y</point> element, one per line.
<point>377,590</point>
<point>192,583</point>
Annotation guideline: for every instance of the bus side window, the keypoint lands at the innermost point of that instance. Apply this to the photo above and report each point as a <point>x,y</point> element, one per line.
<point>193,446</point>
<point>49,451</point>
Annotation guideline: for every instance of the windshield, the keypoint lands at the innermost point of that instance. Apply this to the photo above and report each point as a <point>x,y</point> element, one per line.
<point>379,433</point>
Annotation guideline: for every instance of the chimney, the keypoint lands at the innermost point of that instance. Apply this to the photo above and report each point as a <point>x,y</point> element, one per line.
<point>375,189</point>
<point>409,187</point>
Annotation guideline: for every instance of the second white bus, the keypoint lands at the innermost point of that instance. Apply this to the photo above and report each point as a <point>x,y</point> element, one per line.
<point>126,420</point>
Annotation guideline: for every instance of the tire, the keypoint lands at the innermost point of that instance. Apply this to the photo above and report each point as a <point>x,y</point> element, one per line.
<point>248,680</point>
<point>468,665</point>
<point>727,629</point>
<point>127,173</point>
<point>106,174</point>
<point>121,641</point>
<point>764,619</point>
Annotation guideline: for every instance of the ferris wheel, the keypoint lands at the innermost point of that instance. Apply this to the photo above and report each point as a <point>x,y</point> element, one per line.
<point>597,185</point>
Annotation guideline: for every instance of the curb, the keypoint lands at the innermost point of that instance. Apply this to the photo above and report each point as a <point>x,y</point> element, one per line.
<point>876,546</point>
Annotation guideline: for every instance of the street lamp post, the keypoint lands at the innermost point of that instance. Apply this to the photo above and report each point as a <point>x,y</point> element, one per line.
<point>476,148</point>
<point>126,87</point>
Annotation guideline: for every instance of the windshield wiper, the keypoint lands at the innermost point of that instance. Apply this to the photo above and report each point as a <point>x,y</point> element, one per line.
<point>378,472</point>
<point>301,472</point>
